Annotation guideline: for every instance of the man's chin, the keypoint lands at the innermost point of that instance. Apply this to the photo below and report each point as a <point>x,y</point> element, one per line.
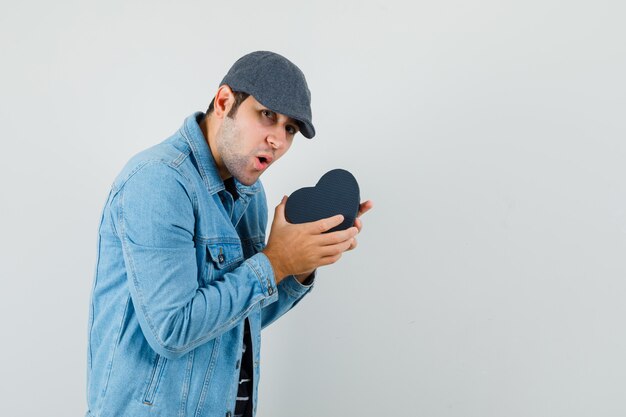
<point>245,176</point>
<point>248,180</point>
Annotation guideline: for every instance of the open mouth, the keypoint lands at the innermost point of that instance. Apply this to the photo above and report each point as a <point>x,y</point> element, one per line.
<point>262,162</point>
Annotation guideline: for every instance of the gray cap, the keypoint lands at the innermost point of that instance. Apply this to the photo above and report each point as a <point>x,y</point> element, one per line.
<point>276,83</point>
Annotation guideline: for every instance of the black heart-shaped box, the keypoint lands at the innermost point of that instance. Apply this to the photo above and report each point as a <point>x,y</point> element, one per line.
<point>337,192</point>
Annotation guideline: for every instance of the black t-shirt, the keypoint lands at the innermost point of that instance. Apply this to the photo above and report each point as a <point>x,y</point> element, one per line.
<point>243,406</point>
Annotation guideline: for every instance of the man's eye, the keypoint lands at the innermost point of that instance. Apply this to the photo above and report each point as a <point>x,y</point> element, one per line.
<point>268,113</point>
<point>291,130</point>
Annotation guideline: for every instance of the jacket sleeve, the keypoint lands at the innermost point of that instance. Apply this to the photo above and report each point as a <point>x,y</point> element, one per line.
<point>290,292</point>
<point>155,222</point>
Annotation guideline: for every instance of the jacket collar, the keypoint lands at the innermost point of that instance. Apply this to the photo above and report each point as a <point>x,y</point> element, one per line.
<point>206,163</point>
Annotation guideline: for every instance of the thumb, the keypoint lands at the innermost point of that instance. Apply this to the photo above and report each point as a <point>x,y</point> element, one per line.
<point>279,213</point>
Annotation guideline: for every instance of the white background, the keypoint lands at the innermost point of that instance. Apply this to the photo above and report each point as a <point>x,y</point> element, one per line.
<point>490,277</point>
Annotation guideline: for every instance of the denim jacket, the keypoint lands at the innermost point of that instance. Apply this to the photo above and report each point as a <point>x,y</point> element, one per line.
<point>178,272</point>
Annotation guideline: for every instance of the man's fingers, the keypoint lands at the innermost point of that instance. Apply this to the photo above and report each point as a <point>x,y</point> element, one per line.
<point>326,224</point>
<point>338,237</point>
<point>328,260</point>
<point>358,224</point>
<point>365,207</point>
<point>334,250</point>
<point>333,253</point>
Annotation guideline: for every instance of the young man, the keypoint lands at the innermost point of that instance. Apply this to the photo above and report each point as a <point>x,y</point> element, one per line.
<point>184,282</point>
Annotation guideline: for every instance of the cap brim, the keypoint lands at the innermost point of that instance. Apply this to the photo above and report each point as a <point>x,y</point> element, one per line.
<point>307,129</point>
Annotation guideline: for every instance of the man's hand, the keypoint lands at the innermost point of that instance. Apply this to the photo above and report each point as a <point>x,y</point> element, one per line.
<point>363,208</point>
<point>300,248</point>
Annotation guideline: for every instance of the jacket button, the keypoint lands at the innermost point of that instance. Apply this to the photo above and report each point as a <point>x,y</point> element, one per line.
<point>220,258</point>
<point>270,290</point>
<point>238,364</point>
<point>228,414</point>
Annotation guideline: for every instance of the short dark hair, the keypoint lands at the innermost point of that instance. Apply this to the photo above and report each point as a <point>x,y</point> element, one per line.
<point>240,96</point>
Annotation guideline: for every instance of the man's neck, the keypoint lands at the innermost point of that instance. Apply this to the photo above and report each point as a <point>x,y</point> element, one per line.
<point>209,129</point>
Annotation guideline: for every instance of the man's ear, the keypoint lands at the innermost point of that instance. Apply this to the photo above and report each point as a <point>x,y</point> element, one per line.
<point>224,100</point>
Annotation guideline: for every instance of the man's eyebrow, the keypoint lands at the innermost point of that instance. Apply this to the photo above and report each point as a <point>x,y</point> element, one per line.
<point>294,122</point>
<point>290,120</point>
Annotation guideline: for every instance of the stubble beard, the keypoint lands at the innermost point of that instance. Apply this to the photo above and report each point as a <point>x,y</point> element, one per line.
<point>230,145</point>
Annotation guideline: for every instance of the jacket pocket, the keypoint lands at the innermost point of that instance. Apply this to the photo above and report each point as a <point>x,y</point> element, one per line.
<point>222,258</point>
<point>155,378</point>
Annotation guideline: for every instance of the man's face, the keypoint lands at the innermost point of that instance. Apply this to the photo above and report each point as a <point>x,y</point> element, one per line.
<point>254,139</point>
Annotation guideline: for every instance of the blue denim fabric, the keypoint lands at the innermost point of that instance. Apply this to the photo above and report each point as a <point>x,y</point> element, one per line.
<point>178,271</point>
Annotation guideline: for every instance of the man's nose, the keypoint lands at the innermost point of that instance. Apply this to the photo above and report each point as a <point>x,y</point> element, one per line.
<point>277,138</point>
